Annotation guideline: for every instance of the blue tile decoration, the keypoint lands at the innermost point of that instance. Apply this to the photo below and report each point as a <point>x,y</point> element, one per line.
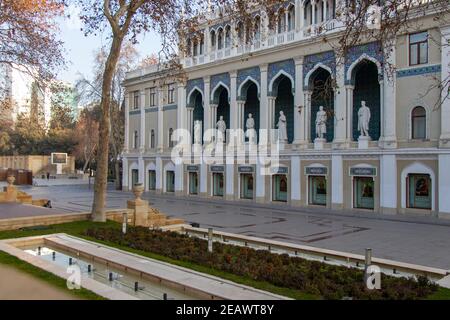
<point>287,66</point>
<point>419,71</point>
<point>372,49</point>
<point>253,72</point>
<point>310,61</point>
<point>191,84</point>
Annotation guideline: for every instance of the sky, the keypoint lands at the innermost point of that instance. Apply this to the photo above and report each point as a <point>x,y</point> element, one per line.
<point>80,49</point>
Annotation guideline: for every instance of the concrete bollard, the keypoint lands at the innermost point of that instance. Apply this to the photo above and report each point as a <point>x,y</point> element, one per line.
<point>136,286</point>
<point>368,258</point>
<point>165,296</point>
<point>53,255</point>
<point>124,223</point>
<point>70,261</point>
<point>210,240</point>
<point>89,268</point>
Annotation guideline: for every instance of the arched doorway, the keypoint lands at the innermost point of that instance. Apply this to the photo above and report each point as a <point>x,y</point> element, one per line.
<point>250,93</point>
<point>221,99</point>
<point>322,94</point>
<point>282,89</point>
<point>367,88</point>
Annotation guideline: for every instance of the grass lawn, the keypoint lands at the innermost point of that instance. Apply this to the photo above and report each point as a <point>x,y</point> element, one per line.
<point>77,229</point>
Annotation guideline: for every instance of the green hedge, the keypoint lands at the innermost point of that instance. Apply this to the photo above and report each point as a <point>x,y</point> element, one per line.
<point>311,277</point>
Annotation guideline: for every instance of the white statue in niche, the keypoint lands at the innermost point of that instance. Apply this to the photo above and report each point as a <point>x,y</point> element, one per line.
<point>321,123</point>
<point>221,130</point>
<point>250,133</point>
<point>282,128</point>
<point>197,132</point>
<point>363,119</point>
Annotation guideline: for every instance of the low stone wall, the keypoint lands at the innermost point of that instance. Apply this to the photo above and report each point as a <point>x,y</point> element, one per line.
<point>17,223</point>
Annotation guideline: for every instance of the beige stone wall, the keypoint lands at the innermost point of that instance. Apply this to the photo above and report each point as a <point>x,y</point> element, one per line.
<point>37,164</point>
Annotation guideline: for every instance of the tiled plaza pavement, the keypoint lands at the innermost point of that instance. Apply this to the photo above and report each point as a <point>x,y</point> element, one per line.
<point>420,240</point>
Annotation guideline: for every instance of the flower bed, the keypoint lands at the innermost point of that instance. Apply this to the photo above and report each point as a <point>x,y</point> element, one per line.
<point>312,277</point>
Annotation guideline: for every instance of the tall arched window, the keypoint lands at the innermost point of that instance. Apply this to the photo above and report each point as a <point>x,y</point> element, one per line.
<point>188,47</point>
<point>227,37</point>
<point>257,28</point>
<point>291,18</point>
<point>220,39</point>
<point>213,40</point>
<point>170,138</point>
<point>195,48</point>
<point>240,32</point>
<point>418,123</point>
<point>135,140</point>
<point>152,139</point>
<point>281,21</point>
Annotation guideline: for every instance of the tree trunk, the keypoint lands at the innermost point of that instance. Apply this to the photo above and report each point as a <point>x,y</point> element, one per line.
<point>101,177</point>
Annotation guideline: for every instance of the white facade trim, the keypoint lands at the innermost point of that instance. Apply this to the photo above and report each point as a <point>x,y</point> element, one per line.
<point>220,84</point>
<point>362,57</point>
<point>317,66</point>
<point>284,73</point>
<point>249,78</point>
<point>167,167</point>
<point>133,166</point>
<point>196,88</point>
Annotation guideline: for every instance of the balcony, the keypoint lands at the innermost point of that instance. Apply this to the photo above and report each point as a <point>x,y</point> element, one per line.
<point>272,40</point>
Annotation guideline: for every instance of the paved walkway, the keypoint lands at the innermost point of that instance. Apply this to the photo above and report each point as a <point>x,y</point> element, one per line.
<point>17,285</point>
<point>406,238</point>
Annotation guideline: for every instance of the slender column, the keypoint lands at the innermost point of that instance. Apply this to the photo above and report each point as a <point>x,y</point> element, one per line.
<point>233,104</point>
<point>302,19</point>
<point>264,115</point>
<point>444,186</point>
<point>299,104</point>
<point>125,186</point>
<point>340,107</point>
<point>388,183</point>
<point>127,124</point>
<point>142,134</point>
<point>337,194</point>
<point>389,136</point>
<point>179,167</point>
<point>190,128</point>
<point>159,175</point>
<point>141,165</point>
<point>313,13</point>
<point>298,15</point>
<point>295,180</point>
<point>307,115</point>
<point>160,136</point>
<point>206,103</point>
<point>213,118</point>
<point>445,98</point>
<point>324,6</point>
<point>260,183</point>
<point>229,184</point>
<point>270,116</point>
<point>240,120</point>
<point>349,90</point>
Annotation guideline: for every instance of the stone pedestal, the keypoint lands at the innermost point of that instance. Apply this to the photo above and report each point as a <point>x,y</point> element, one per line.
<point>363,142</point>
<point>319,143</point>
<point>141,212</point>
<point>10,193</point>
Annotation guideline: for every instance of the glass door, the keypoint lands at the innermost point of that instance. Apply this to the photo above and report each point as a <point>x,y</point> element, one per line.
<point>419,191</point>
<point>317,190</point>
<point>363,192</point>
<point>246,186</point>
<point>134,177</point>
<point>279,184</point>
<point>218,184</point>
<point>151,179</point>
<point>170,181</point>
<point>193,183</point>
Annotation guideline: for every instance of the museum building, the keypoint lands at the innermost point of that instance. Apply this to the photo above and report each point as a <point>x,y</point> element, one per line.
<point>372,141</point>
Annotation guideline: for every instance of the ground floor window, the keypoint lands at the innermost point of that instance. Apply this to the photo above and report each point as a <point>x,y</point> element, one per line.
<point>279,186</point>
<point>193,183</point>
<point>134,177</point>
<point>151,180</point>
<point>363,192</point>
<point>419,191</point>
<point>170,181</point>
<point>218,184</point>
<point>246,186</point>
<point>317,190</point>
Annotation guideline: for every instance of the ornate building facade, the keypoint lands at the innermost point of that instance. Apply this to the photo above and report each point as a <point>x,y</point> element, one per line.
<point>373,141</point>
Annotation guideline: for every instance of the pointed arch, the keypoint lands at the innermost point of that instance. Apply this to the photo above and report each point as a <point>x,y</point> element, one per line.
<point>350,72</point>
<point>313,70</point>
<point>215,93</point>
<point>276,80</point>
<point>191,96</point>
<point>244,86</point>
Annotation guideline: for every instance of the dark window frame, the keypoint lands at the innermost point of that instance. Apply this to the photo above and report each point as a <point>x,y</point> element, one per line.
<point>415,46</point>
